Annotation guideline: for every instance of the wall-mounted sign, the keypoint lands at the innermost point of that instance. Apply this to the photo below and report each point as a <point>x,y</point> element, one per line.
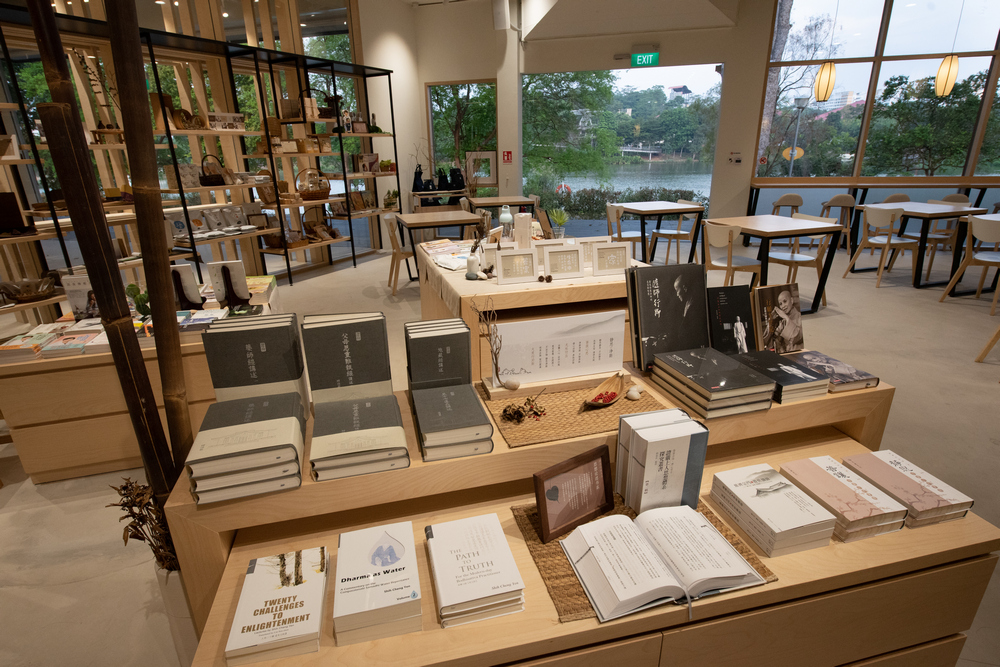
<point>508,157</point>
<point>645,59</point>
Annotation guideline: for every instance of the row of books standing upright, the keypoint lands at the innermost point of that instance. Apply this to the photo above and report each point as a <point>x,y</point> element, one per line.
<point>268,370</point>
<point>723,351</point>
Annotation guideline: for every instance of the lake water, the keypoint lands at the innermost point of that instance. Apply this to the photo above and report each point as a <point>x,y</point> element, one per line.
<point>695,176</point>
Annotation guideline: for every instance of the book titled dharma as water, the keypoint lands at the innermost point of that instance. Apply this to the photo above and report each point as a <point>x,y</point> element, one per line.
<point>280,607</point>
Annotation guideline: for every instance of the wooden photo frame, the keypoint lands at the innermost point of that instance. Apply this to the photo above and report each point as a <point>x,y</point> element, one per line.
<point>573,492</point>
<point>490,252</point>
<point>563,262</point>
<point>481,169</point>
<point>611,258</point>
<point>542,244</point>
<point>517,266</point>
<point>587,245</point>
<point>359,127</point>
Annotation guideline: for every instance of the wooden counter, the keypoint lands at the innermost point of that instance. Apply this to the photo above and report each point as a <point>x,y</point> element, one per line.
<point>204,535</point>
<point>903,597</point>
<point>68,416</point>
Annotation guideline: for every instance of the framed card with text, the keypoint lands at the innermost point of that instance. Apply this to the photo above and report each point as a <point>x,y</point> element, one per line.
<point>516,266</point>
<point>563,262</point>
<point>542,244</point>
<point>490,252</point>
<point>611,258</point>
<point>587,243</point>
<point>573,492</point>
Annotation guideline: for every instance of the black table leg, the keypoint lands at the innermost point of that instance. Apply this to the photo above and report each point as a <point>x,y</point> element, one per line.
<point>642,237</point>
<point>921,251</point>
<point>694,240</point>
<point>827,265</point>
<point>652,245</point>
<point>765,250</point>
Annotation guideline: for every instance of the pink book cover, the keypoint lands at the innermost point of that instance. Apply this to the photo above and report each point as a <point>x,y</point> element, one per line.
<point>842,492</point>
<point>905,482</point>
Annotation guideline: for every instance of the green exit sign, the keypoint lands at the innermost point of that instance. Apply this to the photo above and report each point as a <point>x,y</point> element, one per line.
<point>645,59</point>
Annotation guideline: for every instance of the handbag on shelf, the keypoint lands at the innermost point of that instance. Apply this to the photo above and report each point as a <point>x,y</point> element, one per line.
<point>418,179</point>
<point>211,175</point>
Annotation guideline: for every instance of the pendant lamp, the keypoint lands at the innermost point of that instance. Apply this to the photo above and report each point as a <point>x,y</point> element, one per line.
<point>947,72</point>
<point>827,75</point>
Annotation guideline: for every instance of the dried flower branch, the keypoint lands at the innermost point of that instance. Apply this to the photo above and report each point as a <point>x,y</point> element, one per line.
<point>146,522</point>
<point>488,328</point>
<point>99,78</point>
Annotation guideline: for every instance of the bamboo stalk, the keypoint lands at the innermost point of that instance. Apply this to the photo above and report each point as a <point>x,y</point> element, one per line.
<point>71,156</point>
<point>126,52</point>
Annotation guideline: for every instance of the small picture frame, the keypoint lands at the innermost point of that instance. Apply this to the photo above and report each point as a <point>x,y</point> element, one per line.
<point>541,245</point>
<point>563,262</point>
<point>490,252</point>
<point>360,127</point>
<point>611,258</point>
<point>587,245</point>
<point>516,266</point>
<point>481,168</point>
<point>573,492</point>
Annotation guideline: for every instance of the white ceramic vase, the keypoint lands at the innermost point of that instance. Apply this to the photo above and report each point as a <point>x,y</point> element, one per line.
<point>178,614</point>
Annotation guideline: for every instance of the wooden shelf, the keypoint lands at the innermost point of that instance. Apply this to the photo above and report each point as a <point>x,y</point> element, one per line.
<point>277,155</point>
<point>131,263</point>
<point>9,106</point>
<point>312,246</point>
<point>16,161</point>
<point>202,133</point>
<point>34,304</point>
<point>350,134</point>
<point>366,213</point>
<point>27,238</point>
<point>359,175</point>
<point>304,202</point>
<point>229,237</point>
<point>210,188</point>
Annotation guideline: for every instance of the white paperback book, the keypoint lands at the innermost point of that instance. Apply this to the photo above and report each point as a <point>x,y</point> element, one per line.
<point>473,569</point>
<point>629,423</point>
<point>665,465</point>
<point>280,607</point>
<point>378,584</point>
<point>666,554</point>
<point>782,508</point>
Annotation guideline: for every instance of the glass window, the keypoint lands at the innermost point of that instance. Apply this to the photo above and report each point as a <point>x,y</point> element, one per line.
<point>824,134</point>
<point>463,120</point>
<point>914,132</point>
<point>802,29</point>
<point>928,26</point>
<point>989,154</point>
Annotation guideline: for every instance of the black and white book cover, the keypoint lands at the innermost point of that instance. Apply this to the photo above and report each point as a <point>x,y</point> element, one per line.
<point>786,373</point>
<point>711,372</point>
<point>669,309</point>
<point>842,375</point>
<point>250,425</point>
<point>438,356</point>
<point>730,319</point>
<point>356,425</point>
<point>449,415</point>
<point>779,318</point>
<point>254,359</point>
<point>347,358</point>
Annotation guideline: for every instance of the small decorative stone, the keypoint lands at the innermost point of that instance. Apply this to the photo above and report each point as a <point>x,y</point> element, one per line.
<point>483,276</point>
<point>511,384</point>
<point>633,394</point>
<point>472,275</point>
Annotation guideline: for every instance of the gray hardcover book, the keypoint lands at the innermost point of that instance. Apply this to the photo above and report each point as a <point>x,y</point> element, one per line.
<point>438,359</point>
<point>254,356</point>
<point>449,415</point>
<point>347,359</point>
<point>252,410</point>
<point>356,415</point>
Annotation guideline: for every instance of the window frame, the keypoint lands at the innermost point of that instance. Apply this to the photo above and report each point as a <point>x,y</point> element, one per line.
<point>430,111</point>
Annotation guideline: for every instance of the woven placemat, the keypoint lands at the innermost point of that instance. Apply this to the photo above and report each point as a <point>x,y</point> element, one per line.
<point>564,587</point>
<point>566,416</point>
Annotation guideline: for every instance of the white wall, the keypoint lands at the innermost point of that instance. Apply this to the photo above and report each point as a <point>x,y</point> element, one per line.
<point>457,42</point>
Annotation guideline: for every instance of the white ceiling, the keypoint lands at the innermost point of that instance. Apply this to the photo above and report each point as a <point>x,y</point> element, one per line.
<point>553,19</point>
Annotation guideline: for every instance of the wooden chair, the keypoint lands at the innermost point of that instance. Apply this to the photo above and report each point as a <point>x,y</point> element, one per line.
<point>987,231</point>
<point>793,259</point>
<point>677,235</point>
<point>792,201</point>
<point>989,346</point>
<point>615,213</point>
<point>887,241</point>
<point>723,236</point>
<point>846,204</point>
<point>399,255</point>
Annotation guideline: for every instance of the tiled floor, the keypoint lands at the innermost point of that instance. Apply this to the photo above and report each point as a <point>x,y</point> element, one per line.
<point>72,594</point>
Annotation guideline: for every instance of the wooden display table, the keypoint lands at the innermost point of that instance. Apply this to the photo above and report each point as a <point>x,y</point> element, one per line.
<point>446,294</point>
<point>903,596</point>
<point>204,535</point>
<point>68,417</point>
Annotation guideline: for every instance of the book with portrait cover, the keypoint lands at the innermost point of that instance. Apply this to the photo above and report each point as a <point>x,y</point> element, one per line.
<point>792,381</point>
<point>280,608</point>
<point>779,318</point>
<point>667,310</point>
<point>730,319</point>
<point>842,376</point>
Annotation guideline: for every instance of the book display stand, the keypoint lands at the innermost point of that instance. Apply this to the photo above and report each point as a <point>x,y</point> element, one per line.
<point>820,597</point>
<point>232,299</point>
<point>182,301</point>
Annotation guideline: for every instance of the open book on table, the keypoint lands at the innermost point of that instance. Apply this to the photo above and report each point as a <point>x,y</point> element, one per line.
<point>667,554</point>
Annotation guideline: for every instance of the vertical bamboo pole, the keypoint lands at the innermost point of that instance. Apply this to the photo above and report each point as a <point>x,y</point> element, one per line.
<point>126,52</point>
<point>61,120</point>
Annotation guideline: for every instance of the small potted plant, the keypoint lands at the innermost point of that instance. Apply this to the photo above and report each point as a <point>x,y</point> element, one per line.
<point>558,217</point>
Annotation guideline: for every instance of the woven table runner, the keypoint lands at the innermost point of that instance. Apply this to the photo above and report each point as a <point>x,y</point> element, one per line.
<point>564,587</point>
<point>566,416</point>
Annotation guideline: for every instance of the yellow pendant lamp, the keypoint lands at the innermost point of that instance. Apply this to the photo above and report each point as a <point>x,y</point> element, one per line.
<point>827,75</point>
<point>825,80</point>
<point>947,72</point>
